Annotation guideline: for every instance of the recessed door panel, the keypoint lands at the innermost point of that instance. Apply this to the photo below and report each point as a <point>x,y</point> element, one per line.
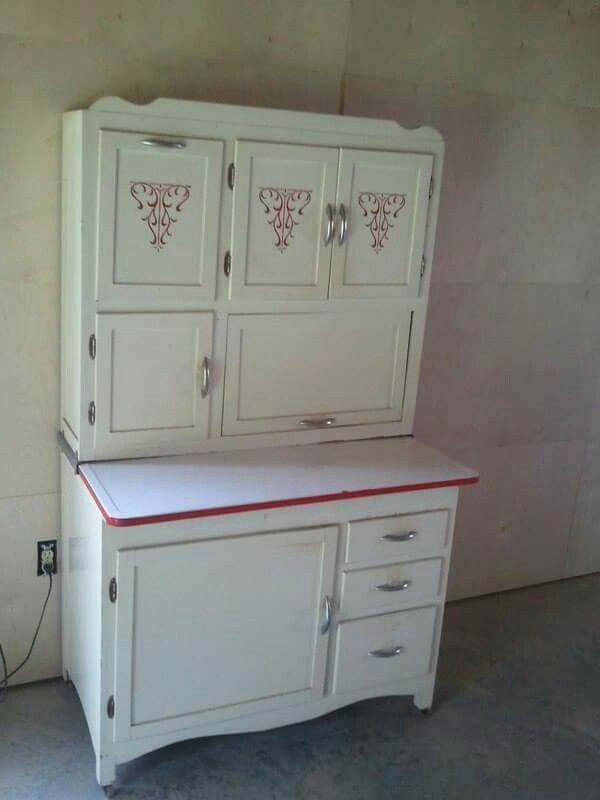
<point>283,198</point>
<point>379,249</point>
<point>152,373</point>
<point>305,371</point>
<point>158,218</point>
<point>220,628</point>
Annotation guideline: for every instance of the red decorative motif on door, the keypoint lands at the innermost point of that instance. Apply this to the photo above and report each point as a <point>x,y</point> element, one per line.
<point>163,202</point>
<point>380,208</point>
<point>283,208</point>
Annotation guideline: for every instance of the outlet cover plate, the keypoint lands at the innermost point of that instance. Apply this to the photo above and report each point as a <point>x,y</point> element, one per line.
<point>43,547</point>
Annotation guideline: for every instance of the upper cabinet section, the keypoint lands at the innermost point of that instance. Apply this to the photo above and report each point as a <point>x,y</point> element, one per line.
<point>382,206</point>
<point>158,218</point>
<point>283,220</point>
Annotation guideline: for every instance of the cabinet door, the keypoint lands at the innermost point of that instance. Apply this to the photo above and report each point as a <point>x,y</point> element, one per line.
<point>300,371</point>
<point>220,628</point>
<point>152,371</point>
<point>280,213</point>
<point>158,217</point>
<point>386,197</point>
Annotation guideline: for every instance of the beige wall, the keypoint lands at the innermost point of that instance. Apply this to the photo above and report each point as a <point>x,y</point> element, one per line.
<point>511,375</point>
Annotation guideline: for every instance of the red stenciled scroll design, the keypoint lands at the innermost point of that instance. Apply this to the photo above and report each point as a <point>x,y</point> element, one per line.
<point>283,208</point>
<point>380,209</point>
<point>163,202</point>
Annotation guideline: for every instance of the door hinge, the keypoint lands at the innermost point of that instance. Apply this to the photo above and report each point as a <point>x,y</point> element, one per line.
<point>92,346</point>
<point>423,263</point>
<point>431,187</point>
<point>231,175</point>
<point>92,413</point>
<point>227,264</point>
<point>110,707</point>
<point>112,590</point>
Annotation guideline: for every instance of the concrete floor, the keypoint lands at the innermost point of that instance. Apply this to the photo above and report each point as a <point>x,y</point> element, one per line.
<point>517,715</point>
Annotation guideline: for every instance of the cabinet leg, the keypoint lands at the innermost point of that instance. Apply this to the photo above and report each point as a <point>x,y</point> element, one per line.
<point>106,772</point>
<point>423,700</point>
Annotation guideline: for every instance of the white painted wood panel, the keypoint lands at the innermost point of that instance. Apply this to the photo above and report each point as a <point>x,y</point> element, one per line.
<point>411,631</point>
<point>386,197</point>
<point>279,217</point>
<point>379,589</point>
<point>211,628</point>
<point>158,217</point>
<point>149,379</point>
<point>294,371</point>
<point>403,536</point>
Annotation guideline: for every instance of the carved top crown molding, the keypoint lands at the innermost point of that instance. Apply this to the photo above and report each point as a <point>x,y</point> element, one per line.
<point>263,117</point>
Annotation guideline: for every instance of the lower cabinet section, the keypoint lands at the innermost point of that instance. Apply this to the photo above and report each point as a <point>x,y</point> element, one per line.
<point>250,620</point>
<point>379,650</point>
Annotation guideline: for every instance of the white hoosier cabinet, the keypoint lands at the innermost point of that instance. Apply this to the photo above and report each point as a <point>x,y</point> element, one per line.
<point>251,536</point>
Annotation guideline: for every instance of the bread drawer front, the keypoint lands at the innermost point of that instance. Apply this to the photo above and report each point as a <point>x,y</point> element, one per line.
<point>404,535</point>
<point>383,649</point>
<point>390,587</point>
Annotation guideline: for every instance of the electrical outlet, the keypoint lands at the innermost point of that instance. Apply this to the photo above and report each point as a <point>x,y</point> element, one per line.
<point>46,557</point>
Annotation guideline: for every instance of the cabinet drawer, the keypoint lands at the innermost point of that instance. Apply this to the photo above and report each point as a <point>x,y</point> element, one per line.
<point>387,538</point>
<point>383,649</point>
<point>289,372</point>
<point>390,587</point>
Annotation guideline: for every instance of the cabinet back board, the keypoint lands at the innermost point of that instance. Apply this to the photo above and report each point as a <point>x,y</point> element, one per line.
<point>237,277</point>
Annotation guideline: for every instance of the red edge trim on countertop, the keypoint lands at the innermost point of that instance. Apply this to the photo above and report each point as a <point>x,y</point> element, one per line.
<point>296,501</point>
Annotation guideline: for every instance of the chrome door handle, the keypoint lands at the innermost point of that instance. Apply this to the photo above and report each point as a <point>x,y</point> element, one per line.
<point>172,144</point>
<point>399,537</point>
<point>330,226</point>
<point>343,225</point>
<point>398,586</point>
<point>388,652</point>
<point>205,384</point>
<point>318,422</point>
<point>328,603</point>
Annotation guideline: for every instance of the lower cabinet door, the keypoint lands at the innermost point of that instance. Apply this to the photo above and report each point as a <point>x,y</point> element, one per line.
<point>153,381</point>
<point>220,628</point>
<point>289,372</point>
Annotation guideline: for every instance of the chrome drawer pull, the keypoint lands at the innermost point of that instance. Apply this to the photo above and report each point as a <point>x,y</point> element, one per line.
<point>330,227</point>
<point>399,537</point>
<point>318,422</point>
<point>171,143</point>
<point>400,586</point>
<point>389,652</point>
<point>205,385</point>
<point>328,603</point>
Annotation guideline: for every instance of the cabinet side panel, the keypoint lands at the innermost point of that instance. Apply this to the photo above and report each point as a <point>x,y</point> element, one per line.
<point>70,348</point>
<point>81,542</point>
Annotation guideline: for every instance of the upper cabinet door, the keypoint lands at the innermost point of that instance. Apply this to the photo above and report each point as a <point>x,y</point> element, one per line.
<point>284,200</point>
<point>301,372</point>
<point>153,381</point>
<point>158,218</point>
<point>379,247</point>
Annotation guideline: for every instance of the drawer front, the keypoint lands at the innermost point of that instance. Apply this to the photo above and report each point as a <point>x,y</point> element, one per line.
<point>390,587</point>
<point>387,538</point>
<point>384,649</point>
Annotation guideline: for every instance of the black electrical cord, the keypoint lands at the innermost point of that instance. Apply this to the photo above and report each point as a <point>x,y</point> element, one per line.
<point>7,674</point>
